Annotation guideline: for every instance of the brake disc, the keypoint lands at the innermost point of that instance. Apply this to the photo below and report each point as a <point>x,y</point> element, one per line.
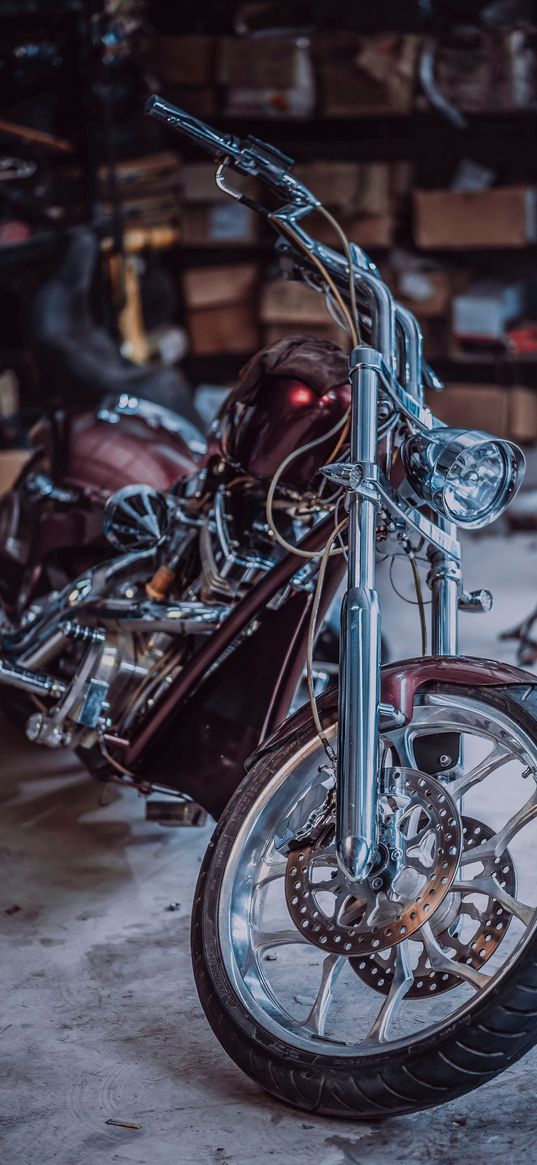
<point>477,945</point>
<point>418,859</point>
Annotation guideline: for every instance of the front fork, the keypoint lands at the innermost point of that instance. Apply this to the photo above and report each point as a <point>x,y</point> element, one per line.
<point>359,692</point>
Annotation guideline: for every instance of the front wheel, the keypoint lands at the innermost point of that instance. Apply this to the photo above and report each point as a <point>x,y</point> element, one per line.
<point>421,983</point>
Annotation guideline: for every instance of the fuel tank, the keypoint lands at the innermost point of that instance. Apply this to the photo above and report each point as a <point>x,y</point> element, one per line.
<point>86,451</point>
<point>271,413</point>
<point>108,457</point>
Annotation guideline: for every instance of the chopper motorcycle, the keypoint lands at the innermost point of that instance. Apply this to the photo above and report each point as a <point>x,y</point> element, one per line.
<point>364,927</point>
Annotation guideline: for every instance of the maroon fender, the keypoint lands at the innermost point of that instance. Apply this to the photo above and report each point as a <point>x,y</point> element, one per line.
<point>399,684</point>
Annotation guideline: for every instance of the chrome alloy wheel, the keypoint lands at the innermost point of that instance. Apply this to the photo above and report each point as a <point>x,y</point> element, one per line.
<point>392,994</point>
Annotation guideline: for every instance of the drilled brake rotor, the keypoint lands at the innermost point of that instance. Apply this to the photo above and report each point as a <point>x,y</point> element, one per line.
<point>475,949</point>
<point>418,860</point>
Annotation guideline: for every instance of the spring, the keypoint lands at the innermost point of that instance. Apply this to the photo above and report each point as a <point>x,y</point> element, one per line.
<point>81,634</point>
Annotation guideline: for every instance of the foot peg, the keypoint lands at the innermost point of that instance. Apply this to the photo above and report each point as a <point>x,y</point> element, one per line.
<point>175,813</point>
<point>25,680</point>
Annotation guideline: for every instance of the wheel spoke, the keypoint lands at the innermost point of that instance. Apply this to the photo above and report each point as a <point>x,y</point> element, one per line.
<point>316,1019</point>
<point>402,980</point>
<point>277,870</point>
<point>489,886</point>
<point>269,908</point>
<point>264,940</point>
<point>440,961</point>
<point>402,742</point>
<point>498,756</point>
<point>499,842</point>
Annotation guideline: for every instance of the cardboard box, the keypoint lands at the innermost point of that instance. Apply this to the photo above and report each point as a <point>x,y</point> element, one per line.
<point>348,186</point>
<point>267,76</point>
<point>285,302</point>
<point>484,310</point>
<point>373,230</point>
<point>503,217</point>
<point>427,293</point>
<point>12,462</point>
<point>214,330</point>
<point>198,185</point>
<point>274,332</point>
<point>226,223</point>
<point>152,172</point>
<point>473,406</point>
<point>523,415</point>
<point>369,76</point>
<point>504,412</point>
<point>183,60</point>
<point>256,62</point>
<point>488,71</point>
<point>206,287</point>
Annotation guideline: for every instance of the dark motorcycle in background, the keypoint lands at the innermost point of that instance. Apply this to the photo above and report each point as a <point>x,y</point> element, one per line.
<point>364,928</point>
<point>132,424</point>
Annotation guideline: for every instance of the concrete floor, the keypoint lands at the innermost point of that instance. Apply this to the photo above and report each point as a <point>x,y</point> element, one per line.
<point>100,1018</point>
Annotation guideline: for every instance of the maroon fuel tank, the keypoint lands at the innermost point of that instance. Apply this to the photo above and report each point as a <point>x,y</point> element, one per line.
<point>288,395</point>
<point>106,457</point>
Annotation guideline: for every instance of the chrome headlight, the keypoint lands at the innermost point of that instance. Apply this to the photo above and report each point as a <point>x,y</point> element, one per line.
<point>466,476</point>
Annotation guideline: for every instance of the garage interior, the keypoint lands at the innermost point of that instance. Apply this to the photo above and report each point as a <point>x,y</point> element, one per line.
<point>416,125</point>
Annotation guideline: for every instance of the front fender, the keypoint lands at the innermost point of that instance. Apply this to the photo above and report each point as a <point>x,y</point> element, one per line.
<point>399,683</point>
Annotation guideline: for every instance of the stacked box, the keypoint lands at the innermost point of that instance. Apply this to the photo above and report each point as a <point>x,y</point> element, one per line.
<point>222,313</point>
<point>366,76</point>
<point>186,64</point>
<point>210,218</point>
<point>504,412</point>
<point>266,76</point>
<point>288,309</point>
<point>505,216</point>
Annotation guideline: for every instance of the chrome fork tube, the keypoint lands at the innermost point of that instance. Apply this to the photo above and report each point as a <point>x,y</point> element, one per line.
<point>357,784</point>
<point>444,579</point>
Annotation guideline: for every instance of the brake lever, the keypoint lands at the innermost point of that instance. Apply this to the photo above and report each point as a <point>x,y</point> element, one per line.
<point>254,158</point>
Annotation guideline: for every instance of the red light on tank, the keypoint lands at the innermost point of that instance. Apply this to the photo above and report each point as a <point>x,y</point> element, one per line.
<point>300,394</point>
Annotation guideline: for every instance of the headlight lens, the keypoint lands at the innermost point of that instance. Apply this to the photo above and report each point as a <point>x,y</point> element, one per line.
<point>474,482</point>
<point>467,476</point>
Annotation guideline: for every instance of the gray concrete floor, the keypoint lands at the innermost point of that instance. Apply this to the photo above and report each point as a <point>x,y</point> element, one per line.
<point>100,1018</point>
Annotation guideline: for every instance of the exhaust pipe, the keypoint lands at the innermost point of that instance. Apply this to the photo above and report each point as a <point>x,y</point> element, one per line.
<point>28,681</point>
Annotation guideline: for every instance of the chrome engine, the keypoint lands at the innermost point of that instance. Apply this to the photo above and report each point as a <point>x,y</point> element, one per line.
<point>117,636</point>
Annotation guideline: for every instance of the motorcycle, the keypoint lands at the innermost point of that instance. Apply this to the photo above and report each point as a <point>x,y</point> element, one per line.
<point>364,926</point>
<point>132,424</point>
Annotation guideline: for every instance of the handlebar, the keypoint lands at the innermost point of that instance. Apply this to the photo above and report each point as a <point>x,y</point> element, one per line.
<point>252,157</point>
<point>258,159</point>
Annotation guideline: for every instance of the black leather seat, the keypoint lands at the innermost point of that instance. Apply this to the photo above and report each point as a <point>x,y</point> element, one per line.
<point>78,360</point>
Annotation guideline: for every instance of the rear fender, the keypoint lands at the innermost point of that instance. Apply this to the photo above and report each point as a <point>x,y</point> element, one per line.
<point>399,683</point>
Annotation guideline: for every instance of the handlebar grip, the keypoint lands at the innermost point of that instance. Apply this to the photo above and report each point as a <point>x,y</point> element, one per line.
<point>218,145</point>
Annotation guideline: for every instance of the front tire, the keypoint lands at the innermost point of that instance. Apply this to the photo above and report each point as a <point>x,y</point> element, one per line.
<point>490,1027</point>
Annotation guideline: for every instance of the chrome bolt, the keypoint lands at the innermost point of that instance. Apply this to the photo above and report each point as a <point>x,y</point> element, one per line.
<point>444,760</point>
<point>34,726</point>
